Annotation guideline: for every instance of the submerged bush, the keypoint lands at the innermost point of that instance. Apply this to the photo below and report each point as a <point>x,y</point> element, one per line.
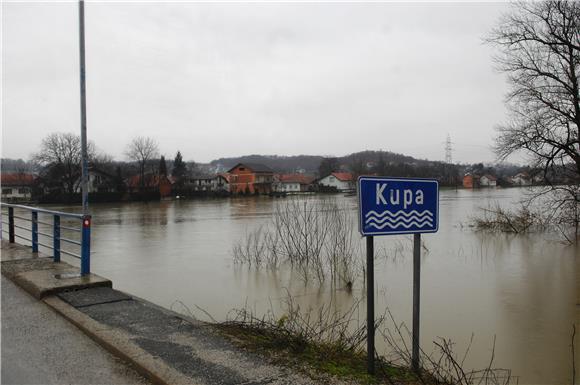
<point>499,219</point>
<point>316,239</point>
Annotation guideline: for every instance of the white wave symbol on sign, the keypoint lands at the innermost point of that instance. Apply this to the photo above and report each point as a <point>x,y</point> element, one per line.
<point>399,219</point>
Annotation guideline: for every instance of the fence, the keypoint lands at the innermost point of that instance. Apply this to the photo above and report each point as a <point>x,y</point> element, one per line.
<point>55,235</point>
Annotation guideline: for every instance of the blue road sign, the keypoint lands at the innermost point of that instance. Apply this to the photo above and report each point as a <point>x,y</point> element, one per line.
<point>398,205</point>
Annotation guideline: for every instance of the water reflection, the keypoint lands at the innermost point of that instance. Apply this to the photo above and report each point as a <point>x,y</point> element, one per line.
<point>519,288</point>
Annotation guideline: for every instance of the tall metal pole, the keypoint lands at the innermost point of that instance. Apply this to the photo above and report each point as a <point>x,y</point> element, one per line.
<point>84,162</point>
<point>370,306</point>
<point>416,299</point>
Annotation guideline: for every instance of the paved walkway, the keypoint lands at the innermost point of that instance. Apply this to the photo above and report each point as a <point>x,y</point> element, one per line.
<point>40,347</point>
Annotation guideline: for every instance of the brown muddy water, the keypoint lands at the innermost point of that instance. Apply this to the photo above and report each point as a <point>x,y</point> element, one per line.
<point>522,289</point>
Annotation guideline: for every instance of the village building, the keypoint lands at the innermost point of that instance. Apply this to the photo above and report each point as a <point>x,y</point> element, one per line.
<point>470,181</point>
<point>341,181</point>
<point>16,186</point>
<point>251,178</point>
<point>100,182</point>
<point>293,183</point>
<point>152,183</point>
<point>221,183</point>
<point>214,183</point>
<point>488,181</point>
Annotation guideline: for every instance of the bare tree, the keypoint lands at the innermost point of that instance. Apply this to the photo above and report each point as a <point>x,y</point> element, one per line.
<point>60,159</point>
<point>142,150</point>
<point>540,52</point>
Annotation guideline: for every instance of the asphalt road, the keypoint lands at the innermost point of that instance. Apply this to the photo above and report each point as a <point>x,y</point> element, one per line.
<point>40,347</point>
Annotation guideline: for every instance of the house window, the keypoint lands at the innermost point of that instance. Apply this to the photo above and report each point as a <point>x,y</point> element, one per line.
<point>6,191</point>
<point>22,190</point>
<point>241,168</point>
<point>331,179</point>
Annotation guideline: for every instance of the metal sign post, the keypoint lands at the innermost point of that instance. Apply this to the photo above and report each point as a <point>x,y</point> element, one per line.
<point>84,155</point>
<point>415,364</point>
<point>370,306</point>
<point>396,206</point>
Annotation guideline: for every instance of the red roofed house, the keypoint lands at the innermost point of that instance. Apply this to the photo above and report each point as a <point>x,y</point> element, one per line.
<point>250,178</point>
<point>293,183</point>
<point>152,183</point>
<point>342,181</point>
<point>16,186</point>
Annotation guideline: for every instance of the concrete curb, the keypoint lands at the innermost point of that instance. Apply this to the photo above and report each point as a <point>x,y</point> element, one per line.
<point>119,345</point>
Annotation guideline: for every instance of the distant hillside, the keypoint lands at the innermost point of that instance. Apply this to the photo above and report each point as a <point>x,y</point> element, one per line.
<point>308,163</point>
<point>311,163</point>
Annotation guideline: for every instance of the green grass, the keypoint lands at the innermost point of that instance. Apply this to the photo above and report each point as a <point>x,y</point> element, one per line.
<point>318,360</point>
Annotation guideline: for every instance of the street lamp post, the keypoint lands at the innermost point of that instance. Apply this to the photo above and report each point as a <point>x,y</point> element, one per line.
<point>84,155</point>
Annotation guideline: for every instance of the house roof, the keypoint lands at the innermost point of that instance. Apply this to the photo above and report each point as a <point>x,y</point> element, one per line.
<point>295,178</point>
<point>490,177</point>
<point>16,179</point>
<point>255,167</point>
<point>343,176</point>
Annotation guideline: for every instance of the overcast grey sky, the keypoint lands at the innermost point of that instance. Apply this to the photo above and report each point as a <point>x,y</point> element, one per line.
<point>228,79</point>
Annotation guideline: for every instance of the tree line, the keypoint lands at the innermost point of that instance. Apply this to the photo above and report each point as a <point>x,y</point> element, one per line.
<point>57,165</point>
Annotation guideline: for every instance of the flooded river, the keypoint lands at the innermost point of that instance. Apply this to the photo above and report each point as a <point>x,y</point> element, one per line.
<point>522,289</point>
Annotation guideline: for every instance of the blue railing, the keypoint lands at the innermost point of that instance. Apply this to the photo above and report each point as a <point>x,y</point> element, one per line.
<point>56,235</point>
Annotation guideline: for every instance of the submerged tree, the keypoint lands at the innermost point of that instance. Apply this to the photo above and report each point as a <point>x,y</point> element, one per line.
<point>540,52</point>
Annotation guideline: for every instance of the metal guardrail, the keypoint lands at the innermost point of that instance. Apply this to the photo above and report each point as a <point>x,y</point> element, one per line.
<point>84,230</point>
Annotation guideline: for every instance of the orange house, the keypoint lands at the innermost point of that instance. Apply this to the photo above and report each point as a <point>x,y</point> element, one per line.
<point>250,178</point>
<point>470,181</point>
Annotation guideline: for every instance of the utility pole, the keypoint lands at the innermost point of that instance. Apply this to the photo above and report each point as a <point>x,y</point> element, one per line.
<point>84,155</point>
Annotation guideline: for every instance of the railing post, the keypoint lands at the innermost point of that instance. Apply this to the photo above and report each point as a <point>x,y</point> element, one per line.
<point>34,232</point>
<point>86,246</point>
<point>11,235</point>
<point>56,238</point>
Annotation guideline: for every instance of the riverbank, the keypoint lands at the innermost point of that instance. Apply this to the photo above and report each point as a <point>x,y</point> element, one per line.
<point>163,346</point>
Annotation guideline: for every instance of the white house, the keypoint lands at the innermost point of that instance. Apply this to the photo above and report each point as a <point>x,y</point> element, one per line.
<point>488,181</point>
<point>292,183</point>
<point>342,181</point>
<point>217,183</point>
<point>99,181</point>
<point>16,186</point>
<point>220,183</point>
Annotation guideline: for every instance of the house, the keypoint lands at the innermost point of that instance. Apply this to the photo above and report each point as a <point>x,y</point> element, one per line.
<point>293,183</point>
<point>16,186</point>
<point>341,181</point>
<point>208,183</point>
<point>250,178</point>
<point>470,181</point>
<point>221,183</point>
<point>100,182</point>
<point>151,183</point>
<point>488,181</point>
<point>199,183</point>
<point>521,179</point>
